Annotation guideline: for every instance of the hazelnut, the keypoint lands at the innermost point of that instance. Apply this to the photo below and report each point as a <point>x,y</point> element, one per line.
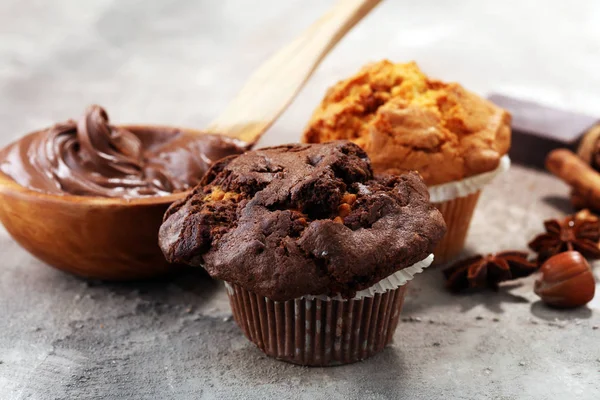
<point>567,281</point>
<point>216,195</point>
<point>349,198</point>
<point>344,210</point>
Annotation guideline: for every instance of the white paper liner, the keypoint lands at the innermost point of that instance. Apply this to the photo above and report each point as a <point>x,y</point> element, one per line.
<point>392,282</point>
<point>467,186</point>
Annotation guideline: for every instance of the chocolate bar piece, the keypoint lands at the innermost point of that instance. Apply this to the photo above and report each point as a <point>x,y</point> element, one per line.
<point>538,129</point>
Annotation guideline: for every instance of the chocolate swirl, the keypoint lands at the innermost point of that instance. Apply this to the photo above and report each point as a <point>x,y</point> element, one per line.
<point>90,157</point>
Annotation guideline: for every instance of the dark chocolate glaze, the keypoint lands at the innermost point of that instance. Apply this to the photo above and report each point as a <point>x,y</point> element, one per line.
<point>294,220</point>
<point>90,157</point>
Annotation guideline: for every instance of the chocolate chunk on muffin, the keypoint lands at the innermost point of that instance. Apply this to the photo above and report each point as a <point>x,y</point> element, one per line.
<point>296,220</point>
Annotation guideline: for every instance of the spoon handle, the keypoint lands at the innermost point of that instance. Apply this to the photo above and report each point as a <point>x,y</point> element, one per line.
<point>274,85</point>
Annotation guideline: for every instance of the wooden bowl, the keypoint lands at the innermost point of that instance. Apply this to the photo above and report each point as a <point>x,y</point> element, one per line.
<point>93,237</point>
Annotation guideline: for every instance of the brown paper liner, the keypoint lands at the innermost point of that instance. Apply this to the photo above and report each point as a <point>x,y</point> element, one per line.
<point>458,214</point>
<point>317,332</point>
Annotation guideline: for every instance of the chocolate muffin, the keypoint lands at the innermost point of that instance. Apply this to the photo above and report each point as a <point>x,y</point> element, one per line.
<point>289,223</point>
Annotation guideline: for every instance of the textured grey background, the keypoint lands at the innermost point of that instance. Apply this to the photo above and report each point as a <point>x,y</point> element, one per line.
<point>179,62</point>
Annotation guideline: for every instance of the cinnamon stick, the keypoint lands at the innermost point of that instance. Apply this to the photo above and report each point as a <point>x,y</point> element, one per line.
<point>584,180</point>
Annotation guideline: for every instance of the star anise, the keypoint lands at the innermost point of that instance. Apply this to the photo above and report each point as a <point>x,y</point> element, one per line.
<point>580,232</point>
<point>480,271</point>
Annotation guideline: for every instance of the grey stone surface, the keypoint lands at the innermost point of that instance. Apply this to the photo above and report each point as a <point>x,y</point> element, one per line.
<point>179,62</point>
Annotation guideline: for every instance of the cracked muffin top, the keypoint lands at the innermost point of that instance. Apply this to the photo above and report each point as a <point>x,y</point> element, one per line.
<point>407,121</point>
<point>294,220</point>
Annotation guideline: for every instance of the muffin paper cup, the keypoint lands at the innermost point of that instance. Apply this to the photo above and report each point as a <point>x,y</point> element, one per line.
<point>458,214</point>
<point>456,201</point>
<point>464,187</point>
<point>322,330</point>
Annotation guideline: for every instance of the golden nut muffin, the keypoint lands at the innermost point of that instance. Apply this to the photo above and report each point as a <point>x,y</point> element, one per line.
<point>406,121</point>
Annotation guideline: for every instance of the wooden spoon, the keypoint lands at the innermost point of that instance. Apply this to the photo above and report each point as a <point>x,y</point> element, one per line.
<point>117,239</point>
<point>274,85</point>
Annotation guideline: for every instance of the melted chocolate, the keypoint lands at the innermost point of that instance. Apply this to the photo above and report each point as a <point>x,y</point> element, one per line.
<point>90,157</point>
